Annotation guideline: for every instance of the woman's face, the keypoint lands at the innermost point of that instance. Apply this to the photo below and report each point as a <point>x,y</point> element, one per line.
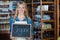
<point>21,9</point>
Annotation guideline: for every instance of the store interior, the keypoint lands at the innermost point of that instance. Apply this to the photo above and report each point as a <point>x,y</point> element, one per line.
<point>45,15</point>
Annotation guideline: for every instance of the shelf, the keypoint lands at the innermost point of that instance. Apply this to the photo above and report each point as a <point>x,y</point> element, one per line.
<point>4,3</point>
<point>43,2</point>
<point>48,11</point>
<point>47,20</point>
<point>4,18</point>
<point>47,38</point>
<point>44,20</point>
<point>36,2</point>
<point>4,22</point>
<point>5,13</point>
<point>47,2</point>
<point>34,12</point>
<point>50,29</point>
<point>5,31</point>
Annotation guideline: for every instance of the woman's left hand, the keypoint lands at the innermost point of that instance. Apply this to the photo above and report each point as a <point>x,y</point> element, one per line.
<point>30,38</point>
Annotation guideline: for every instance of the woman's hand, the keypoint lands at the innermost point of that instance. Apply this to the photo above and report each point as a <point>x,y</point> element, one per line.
<point>30,38</point>
<point>12,38</point>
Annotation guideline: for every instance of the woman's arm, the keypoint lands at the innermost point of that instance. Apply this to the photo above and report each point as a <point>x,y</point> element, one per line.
<point>32,32</point>
<point>30,21</point>
<point>11,22</point>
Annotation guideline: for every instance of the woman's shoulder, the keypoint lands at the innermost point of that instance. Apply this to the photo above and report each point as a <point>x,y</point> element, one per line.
<point>30,20</point>
<point>11,18</point>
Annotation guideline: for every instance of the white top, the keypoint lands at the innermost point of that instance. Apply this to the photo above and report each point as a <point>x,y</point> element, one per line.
<point>20,38</point>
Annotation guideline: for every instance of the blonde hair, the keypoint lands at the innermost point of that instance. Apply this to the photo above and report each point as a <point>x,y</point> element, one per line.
<point>26,11</point>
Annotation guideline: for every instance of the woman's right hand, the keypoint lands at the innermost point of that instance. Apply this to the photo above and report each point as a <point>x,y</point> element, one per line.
<point>12,38</point>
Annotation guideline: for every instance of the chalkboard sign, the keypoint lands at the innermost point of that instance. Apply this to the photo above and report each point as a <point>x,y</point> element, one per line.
<point>21,30</point>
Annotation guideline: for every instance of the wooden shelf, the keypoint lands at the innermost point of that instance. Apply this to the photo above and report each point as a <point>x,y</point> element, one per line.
<point>4,18</point>
<point>47,29</point>
<point>5,31</point>
<point>47,2</point>
<point>4,3</point>
<point>36,2</point>
<point>42,3</point>
<point>48,38</point>
<point>4,22</point>
<point>48,11</point>
<point>5,13</point>
<point>47,20</point>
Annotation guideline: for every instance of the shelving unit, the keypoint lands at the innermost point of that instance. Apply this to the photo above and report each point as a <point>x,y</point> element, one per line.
<point>4,16</point>
<point>4,21</point>
<point>52,20</point>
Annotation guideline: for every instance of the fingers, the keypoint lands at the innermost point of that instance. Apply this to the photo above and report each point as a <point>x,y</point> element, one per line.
<point>12,38</point>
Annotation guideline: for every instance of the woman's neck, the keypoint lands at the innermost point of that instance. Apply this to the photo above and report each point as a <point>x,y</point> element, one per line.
<point>21,17</point>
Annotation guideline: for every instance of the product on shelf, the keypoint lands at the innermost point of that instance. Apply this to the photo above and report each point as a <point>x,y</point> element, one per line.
<point>37,37</point>
<point>4,6</point>
<point>51,8</point>
<point>46,17</point>
<point>37,32</point>
<point>37,17</point>
<point>4,26</point>
<point>37,25</point>
<point>44,8</point>
<point>48,34</point>
<point>46,26</point>
<point>38,9</point>
<point>7,26</point>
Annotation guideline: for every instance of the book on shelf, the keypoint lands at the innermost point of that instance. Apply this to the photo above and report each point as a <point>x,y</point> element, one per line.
<point>46,26</point>
<point>4,26</point>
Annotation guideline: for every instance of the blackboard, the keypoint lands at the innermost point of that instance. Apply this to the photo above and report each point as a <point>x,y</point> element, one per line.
<point>21,30</point>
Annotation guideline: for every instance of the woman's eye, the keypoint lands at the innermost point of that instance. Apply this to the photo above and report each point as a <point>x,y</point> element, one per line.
<point>20,7</point>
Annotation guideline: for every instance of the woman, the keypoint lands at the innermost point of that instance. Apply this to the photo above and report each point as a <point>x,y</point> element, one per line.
<point>21,14</point>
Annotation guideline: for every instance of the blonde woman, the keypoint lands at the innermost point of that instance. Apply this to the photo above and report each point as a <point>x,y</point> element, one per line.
<point>21,14</point>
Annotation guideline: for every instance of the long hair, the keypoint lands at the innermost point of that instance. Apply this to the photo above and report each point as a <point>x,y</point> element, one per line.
<point>25,10</point>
